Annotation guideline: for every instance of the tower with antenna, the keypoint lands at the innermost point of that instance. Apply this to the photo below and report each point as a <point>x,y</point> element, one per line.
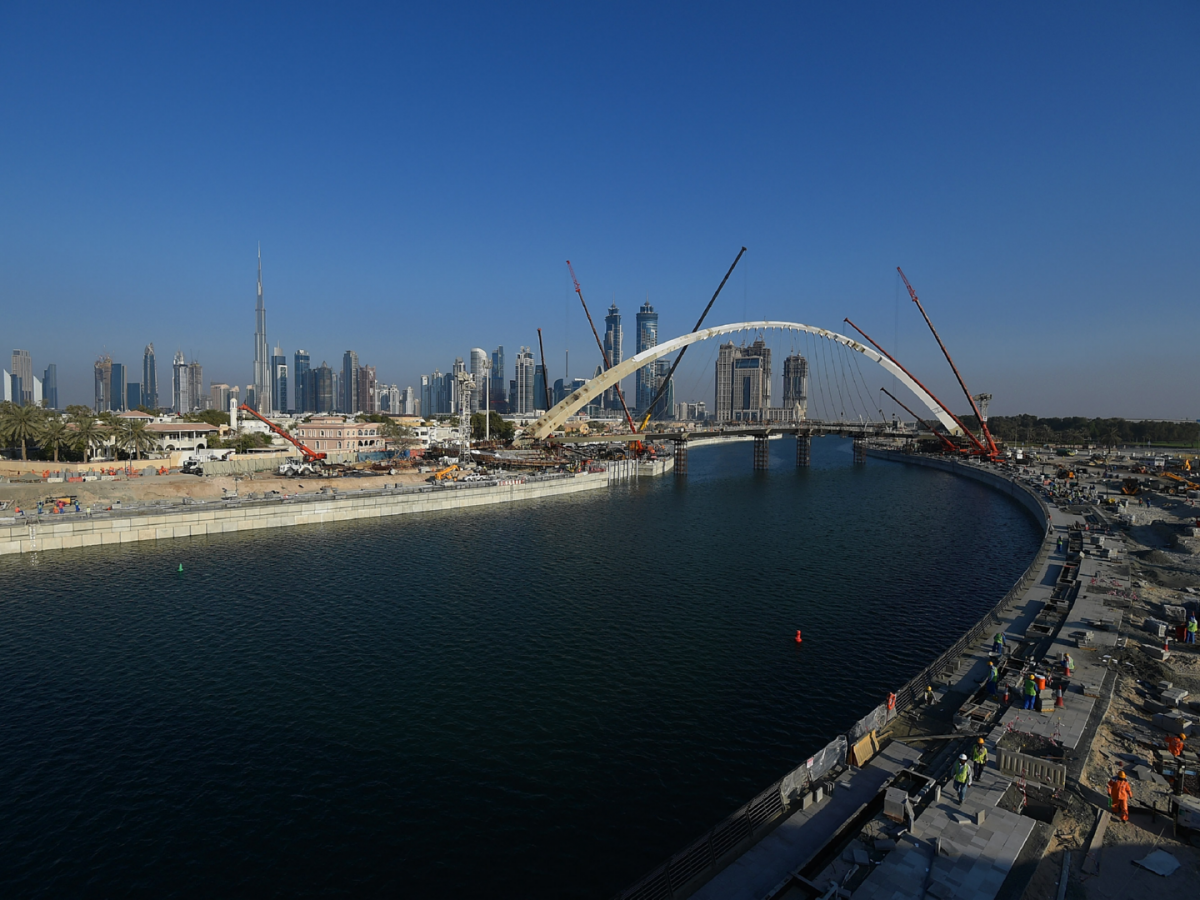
<point>262,362</point>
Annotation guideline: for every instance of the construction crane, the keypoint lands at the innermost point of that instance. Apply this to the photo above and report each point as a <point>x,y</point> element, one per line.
<point>603,352</point>
<point>992,450</point>
<point>916,381</point>
<point>946,442</point>
<point>662,388</point>
<point>310,456</point>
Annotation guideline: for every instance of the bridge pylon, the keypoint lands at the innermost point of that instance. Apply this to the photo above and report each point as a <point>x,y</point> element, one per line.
<point>860,449</point>
<point>803,450</point>
<point>681,454</point>
<point>762,452</point>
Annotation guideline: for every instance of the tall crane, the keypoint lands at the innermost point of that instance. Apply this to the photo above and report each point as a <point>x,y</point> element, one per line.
<point>946,442</point>
<point>600,344</point>
<point>671,372</point>
<point>309,455</point>
<point>992,450</point>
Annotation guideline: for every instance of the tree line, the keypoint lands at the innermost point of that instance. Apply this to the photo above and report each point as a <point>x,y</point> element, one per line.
<point>77,432</point>
<point>1082,430</point>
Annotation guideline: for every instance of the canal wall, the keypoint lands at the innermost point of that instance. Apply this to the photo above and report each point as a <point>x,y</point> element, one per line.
<point>46,532</point>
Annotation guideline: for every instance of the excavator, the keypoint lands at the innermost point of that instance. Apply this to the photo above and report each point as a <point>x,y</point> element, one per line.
<point>310,463</point>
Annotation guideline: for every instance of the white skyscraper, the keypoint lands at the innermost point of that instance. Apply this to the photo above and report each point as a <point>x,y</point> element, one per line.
<point>180,399</point>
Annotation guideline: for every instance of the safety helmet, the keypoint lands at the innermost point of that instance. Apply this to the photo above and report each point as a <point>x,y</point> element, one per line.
<point>1122,776</point>
<point>962,756</point>
<point>1182,736</point>
<point>981,740</point>
<point>930,688</point>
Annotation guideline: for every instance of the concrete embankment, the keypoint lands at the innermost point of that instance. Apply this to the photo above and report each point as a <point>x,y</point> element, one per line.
<point>46,532</point>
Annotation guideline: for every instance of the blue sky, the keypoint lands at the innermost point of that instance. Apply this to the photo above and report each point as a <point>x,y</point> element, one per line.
<point>417,176</point>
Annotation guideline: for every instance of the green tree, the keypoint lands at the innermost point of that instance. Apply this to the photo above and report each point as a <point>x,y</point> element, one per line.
<point>247,441</point>
<point>78,412</point>
<point>20,423</point>
<point>213,417</point>
<point>89,434</point>
<point>56,435</point>
<point>134,437</point>
<point>500,429</point>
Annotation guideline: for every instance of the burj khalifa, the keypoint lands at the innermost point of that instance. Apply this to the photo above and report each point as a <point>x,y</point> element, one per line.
<point>262,364</point>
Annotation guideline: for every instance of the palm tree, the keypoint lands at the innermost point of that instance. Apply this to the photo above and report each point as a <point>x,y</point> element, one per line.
<point>89,434</point>
<point>21,423</point>
<point>56,435</point>
<point>134,437</point>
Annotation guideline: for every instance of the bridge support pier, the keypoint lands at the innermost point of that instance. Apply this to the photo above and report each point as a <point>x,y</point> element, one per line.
<point>681,449</point>
<point>762,451</point>
<point>803,450</point>
<point>860,450</point>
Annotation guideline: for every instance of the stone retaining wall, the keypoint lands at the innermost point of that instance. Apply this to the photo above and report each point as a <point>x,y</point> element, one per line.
<point>219,517</point>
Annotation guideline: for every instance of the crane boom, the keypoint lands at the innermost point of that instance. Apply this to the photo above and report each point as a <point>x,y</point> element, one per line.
<point>957,420</point>
<point>309,455</point>
<point>991,448</point>
<point>945,440</point>
<point>670,372</point>
<point>600,344</point>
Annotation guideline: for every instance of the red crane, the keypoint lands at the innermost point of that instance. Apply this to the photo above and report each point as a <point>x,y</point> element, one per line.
<point>309,455</point>
<point>600,344</point>
<point>946,442</point>
<point>992,450</point>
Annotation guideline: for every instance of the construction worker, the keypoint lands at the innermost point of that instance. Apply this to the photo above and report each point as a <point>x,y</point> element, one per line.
<point>998,643</point>
<point>993,678</point>
<point>1175,748</point>
<point>962,777</point>
<point>1192,626</point>
<point>1119,792</point>
<point>1068,665</point>
<point>979,756</point>
<point>1031,691</point>
<point>929,695</point>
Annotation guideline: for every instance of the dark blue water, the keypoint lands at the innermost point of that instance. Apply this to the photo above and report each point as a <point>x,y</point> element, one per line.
<point>541,700</point>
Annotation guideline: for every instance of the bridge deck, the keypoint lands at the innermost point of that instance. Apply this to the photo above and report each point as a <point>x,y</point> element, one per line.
<point>845,429</point>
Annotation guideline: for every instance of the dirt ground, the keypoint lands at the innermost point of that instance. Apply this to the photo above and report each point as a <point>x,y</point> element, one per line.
<point>159,488</point>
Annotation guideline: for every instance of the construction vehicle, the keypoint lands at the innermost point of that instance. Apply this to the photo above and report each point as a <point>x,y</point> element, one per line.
<point>1190,485</point>
<point>1130,487</point>
<point>442,474</point>
<point>310,462</point>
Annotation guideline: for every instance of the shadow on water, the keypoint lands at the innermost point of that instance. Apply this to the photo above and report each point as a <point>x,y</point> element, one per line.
<point>546,698</point>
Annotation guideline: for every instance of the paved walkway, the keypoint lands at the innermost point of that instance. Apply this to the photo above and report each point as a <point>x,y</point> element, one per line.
<point>805,833</point>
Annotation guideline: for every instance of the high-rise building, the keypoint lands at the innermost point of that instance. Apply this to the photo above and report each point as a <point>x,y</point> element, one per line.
<point>795,385</point>
<point>149,379</point>
<point>262,365</point>
<point>103,383</point>
<point>613,343</point>
<point>50,386</point>
<point>218,396</point>
<point>349,383</point>
<point>117,384</point>
<point>451,381</point>
<point>279,381</point>
<point>300,369</point>
<point>743,382</point>
<point>539,386</point>
<point>665,407</point>
<point>323,388</point>
<point>647,337</point>
<point>499,397</point>
<point>133,395</point>
<point>180,401</point>
<point>196,395</point>
<point>523,402</point>
<point>479,368</point>
<point>22,367</point>
<point>366,390</point>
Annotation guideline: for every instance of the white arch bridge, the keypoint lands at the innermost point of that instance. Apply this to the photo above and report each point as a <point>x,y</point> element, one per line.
<point>557,416</point>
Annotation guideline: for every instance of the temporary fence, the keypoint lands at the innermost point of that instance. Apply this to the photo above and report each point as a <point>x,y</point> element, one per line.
<point>677,876</point>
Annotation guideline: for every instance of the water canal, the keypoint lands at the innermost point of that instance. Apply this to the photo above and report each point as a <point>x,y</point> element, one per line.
<point>545,699</point>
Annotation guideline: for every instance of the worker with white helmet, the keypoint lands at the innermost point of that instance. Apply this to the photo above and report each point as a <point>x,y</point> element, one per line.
<point>962,777</point>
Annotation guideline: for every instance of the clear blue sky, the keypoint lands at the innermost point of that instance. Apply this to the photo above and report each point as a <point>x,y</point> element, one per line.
<point>418,174</point>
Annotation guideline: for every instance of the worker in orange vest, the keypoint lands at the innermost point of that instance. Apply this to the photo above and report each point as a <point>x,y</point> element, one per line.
<point>1120,792</point>
<point>1175,748</point>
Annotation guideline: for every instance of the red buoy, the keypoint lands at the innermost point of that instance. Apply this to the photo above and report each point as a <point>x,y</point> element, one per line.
<point>799,640</point>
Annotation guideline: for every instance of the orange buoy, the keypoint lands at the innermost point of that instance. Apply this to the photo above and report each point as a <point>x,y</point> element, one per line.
<point>799,640</point>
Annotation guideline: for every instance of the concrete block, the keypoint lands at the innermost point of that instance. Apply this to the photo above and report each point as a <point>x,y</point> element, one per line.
<point>1174,697</point>
<point>981,817</point>
<point>1154,651</point>
<point>885,844</point>
<point>861,858</point>
<point>1172,723</point>
<point>1174,613</point>
<point>1155,627</point>
<point>1165,685</point>
<point>1153,706</point>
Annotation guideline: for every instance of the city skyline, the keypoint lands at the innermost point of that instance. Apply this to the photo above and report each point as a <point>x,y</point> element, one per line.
<point>1035,184</point>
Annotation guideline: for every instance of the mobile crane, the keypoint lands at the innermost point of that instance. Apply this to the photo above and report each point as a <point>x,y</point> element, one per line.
<point>310,463</point>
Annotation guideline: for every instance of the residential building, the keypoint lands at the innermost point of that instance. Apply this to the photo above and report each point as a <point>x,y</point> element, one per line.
<point>665,407</point>
<point>180,401</point>
<point>647,337</point>
<point>795,385</point>
<point>523,399</point>
<point>117,385</point>
<point>50,386</point>
<point>22,368</point>
<point>323,389</point>
<point>149,379</point>
<point>178,435</point>
<point>103,371</point>
<point>218,396</point>
<point>743,390</point>
<point>613,342</point>
<point>279,381</point>
<point>349,383</point>
<point>300,369</point>
<point>331,433</point>
<point>408,401</point>
<point>196,396</point>
<point>479,368</point>
<point>366,390</point>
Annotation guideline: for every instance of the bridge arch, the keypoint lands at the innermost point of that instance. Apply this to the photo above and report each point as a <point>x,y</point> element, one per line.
<point>555,418</point>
